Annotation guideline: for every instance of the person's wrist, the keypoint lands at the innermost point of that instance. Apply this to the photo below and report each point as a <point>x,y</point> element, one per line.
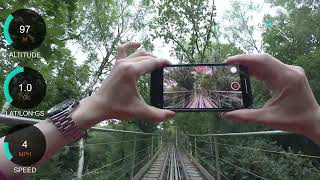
<point>88,113</point>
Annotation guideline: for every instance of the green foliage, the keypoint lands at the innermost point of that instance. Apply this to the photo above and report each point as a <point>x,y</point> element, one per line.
<point>182,77</point>
<point>245,152</point>
<point>65,79</point>
<point>238,31</point>
<point>190,26</point>
<point>187,24</point>
<point>300,22</point>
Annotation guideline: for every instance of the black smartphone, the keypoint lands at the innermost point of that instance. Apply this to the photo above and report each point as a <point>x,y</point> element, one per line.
<point>201,87</point>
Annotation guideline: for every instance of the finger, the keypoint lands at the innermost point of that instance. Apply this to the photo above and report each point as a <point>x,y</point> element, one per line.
<point>123,49</point>
<point>150,64</point>
<point>244,58</point>
<point>246,115</point>
<point>135,59</point>
<point>262,66</point>
<point>141,53</point>
<point>156,114</point>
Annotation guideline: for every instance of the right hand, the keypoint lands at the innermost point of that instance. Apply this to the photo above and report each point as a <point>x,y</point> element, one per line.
<point>292,107</point>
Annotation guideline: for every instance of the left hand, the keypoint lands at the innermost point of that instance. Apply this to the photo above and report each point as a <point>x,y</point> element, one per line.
<point>118,96</point>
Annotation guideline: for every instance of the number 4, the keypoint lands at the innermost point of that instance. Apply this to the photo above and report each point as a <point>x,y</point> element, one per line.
<point>25,144</point>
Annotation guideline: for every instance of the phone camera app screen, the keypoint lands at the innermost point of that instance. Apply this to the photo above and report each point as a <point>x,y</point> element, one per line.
<point>202,87</point>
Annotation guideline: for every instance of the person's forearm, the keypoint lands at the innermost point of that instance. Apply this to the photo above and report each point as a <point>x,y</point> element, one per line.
<point>118,97</point>
<point>54,140</point>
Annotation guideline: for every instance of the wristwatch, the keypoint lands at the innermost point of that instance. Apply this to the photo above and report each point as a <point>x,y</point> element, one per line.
<point>60,116</point>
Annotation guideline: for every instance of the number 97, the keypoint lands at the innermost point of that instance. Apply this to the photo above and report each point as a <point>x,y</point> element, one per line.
<point>24,29</point>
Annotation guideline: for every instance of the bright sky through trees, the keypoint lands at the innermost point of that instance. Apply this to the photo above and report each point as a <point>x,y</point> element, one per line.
<point>162,49</point>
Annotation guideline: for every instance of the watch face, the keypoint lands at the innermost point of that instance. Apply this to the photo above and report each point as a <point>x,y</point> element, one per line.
<point>60,107</point>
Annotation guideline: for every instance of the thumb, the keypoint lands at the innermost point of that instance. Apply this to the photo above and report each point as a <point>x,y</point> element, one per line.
<point>245,115</point>
<point>157,114</point>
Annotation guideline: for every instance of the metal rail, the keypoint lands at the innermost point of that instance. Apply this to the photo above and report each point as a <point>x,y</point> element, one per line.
<point>172,92</point>
<point>191,144</point>
<point>227,92</point>
<point>146,167</point>
<point>277,132</point>
<point>13,120</point>
<point>183,167</point>
<point>162,174</point>
<point>175,173</point>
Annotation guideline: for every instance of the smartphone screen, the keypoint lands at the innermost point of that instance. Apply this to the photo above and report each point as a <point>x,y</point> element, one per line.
<point>204,87</point>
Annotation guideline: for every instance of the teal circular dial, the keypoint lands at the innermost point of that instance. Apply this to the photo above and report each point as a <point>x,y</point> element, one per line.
<point>25,147</point>
<point>24,88</point>
<point>24,30</point>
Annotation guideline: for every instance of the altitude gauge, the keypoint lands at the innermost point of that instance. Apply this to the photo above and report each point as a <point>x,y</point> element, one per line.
<point>26,147</point>
<point>24,88</point>
<point>24,30</point>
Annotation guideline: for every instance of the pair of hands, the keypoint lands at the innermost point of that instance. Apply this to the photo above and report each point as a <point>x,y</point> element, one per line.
<point>292,106</point>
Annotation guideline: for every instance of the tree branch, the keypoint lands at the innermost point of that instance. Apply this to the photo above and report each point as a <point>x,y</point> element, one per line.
<point>99,23</point>
<point>252,42</point>
<point>209,29</point>
<point>180,45</point>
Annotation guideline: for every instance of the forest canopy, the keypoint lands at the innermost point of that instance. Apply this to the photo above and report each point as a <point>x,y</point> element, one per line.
<point>79,51</point>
